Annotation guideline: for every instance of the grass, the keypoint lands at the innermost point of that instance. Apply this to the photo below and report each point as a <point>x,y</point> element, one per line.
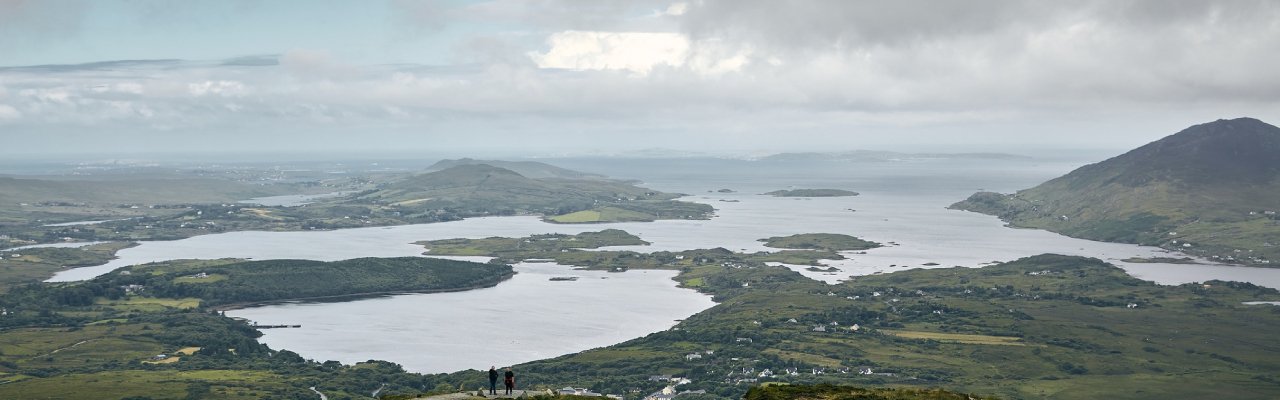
<point>1066,334</point>
<point>600,215</point>
<point>38,264</point>
<point>163,384</point>
<point>819,241</point>
<point>206,279</point>
<point>958,338</point>
<point>139,303</point>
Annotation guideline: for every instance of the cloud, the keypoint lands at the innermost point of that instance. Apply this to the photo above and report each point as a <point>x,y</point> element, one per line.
<point>8,113</point>
<point>217,88</point>
<point>632,51</point>
<point>31,24</point>
<point>711,73</point>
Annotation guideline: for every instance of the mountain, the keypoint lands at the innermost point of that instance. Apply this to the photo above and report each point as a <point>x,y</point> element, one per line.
<point>881,156</point>
<point>529,169</point>
<point>481,189</point>
<point>1212,189</point>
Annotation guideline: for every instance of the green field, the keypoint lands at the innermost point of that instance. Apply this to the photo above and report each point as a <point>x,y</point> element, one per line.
<point>820,241</point>
<point>605,214</point>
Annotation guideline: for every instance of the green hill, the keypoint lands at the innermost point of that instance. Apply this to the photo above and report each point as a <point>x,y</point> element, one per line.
<point>1212,190</point>
<point>529,169</point>
<point>482,189</point>
<point>834,392</point>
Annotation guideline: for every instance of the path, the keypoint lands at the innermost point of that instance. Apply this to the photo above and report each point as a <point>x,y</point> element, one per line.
<point>515,394</point>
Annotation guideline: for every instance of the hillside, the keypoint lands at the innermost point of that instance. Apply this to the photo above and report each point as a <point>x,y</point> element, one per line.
<point>1047,326</point>
<point>529,169</point>
<point>24,200</point>
<point>482,189</point>
<point>1212,189</point>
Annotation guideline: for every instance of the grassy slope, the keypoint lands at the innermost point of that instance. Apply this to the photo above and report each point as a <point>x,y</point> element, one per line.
<point>38,264</point>
<point>479,189</point>
<point>1199,186</point>
<point>1075,336</point>
<point>55,346</point>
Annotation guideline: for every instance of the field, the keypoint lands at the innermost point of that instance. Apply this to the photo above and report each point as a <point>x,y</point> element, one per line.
<point>34,265</point>
<point>601,215</point>
<point>958,338</point>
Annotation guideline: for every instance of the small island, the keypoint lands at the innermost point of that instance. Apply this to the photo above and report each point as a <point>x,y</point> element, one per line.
<point>812,193</point>
<point>820,241</point>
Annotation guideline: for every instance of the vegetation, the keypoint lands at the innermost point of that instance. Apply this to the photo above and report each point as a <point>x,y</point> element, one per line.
<point>1209,190</point>
<point>528,169</point>
<point>820,241</point>
<point>480,189</point>
<point>37,264</point>
<point>833,392</point>
<point>238,282</point>
<point>1041,327</point>
<point>569,250</point>
<point>812,193</point>
<point>152,210</point>
<point>104,337</point>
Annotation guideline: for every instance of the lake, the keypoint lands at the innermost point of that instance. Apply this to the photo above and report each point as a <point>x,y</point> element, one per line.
<point>902,204</point>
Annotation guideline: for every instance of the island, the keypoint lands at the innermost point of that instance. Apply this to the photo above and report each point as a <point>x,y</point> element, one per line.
<point>1078,324</point>
<point>177,205</point>
<point>820,241</point>
<point>812,193</point>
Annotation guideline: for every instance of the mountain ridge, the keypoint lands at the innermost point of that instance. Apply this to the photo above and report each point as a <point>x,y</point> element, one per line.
<point>1211,189</point>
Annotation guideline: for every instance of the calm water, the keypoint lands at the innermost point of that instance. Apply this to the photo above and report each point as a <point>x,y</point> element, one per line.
<point>526,318</point>
<point>529,317</point>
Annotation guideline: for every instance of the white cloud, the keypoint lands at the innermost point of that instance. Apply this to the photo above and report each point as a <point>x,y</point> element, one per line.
<point>638,52</point>
<point>217,88</point>
<point>8,113</point>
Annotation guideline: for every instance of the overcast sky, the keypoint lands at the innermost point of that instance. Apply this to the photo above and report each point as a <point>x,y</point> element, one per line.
<point>598,76</point>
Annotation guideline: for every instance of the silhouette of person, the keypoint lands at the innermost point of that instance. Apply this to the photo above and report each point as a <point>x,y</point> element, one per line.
<point>493,380</point>
<point>509,379</point>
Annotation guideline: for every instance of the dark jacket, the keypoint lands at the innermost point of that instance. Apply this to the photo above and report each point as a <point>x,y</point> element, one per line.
<point>493,375</point>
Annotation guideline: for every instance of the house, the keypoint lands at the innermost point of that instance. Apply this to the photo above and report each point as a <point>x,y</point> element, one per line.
<point>571,391</point>
<point>766,373</point>
<point>1131,305</point>
<point>659,378</point>
<point>793,320</point>
<point>865,371</point>
<point>159,357</point>
<point>692,356</point>
<point>743,340</point>
<point>819,328</point>
<point>855,327</point>
<point>667,393</point>
<point>792,371</point>
<point>819,371</point>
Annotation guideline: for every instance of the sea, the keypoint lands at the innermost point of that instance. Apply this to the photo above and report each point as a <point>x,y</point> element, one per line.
<point>901,203</point>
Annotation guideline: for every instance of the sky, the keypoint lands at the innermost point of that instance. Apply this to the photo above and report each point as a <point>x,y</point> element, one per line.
<point>599,77</point>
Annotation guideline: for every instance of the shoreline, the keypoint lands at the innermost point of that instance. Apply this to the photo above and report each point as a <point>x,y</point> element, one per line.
<point>357,296</point>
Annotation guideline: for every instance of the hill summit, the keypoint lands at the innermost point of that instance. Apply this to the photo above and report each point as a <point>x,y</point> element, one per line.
<point>470,189</point>
<point>1212,189</point>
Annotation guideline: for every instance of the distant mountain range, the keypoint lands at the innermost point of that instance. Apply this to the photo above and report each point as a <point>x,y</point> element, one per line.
<point>871,155</point>
<point>1212,189</point>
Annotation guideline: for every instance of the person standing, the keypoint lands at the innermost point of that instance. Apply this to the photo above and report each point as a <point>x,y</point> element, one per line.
<point>493,380</point>
<point>509,379</point>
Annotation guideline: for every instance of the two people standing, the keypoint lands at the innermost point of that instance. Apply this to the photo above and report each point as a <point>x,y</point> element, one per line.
<point>508,379</point>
